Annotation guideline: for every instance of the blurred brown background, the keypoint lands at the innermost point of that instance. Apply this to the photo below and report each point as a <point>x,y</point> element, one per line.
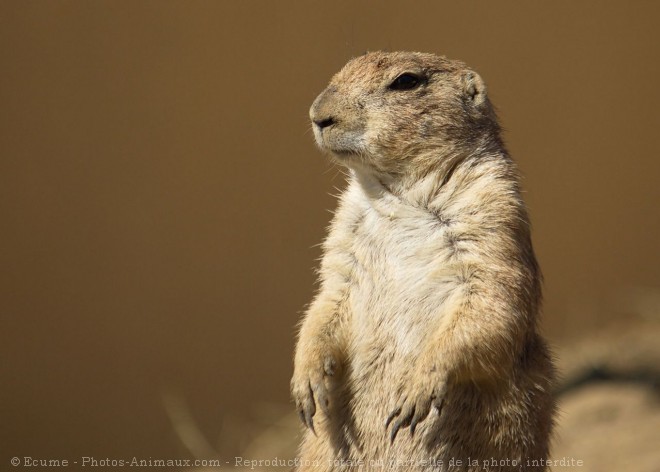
<point>161,196</point>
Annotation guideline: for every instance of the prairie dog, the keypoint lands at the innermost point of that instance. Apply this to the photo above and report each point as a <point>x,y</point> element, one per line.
<point>420,350</point>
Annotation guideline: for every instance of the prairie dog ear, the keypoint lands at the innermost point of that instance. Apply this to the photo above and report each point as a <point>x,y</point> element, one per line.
<point>474,88</point>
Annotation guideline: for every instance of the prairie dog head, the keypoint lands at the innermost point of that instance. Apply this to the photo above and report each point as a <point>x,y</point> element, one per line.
<point>397,112</point>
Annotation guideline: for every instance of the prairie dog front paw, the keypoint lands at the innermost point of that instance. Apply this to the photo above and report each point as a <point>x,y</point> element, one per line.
<point>308,385</point>
<point>424,389</point>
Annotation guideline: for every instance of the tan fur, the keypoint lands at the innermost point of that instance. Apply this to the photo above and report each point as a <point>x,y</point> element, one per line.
<point>429,288</point>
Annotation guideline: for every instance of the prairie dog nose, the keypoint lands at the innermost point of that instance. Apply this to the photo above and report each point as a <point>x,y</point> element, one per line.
<point>325,122</point>
<point>322,113</point>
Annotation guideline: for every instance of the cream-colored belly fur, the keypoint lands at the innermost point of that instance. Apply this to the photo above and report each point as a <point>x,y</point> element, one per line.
<point>398,287</point>
<point>399,282</point>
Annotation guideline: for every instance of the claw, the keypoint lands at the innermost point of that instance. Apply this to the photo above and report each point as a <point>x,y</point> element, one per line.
<point>393,415</point>
<point>420,414</point>
<point>311,426</point>
<point>413,425</point>
<point>400,423</point>
<point>306,413</point>
<point>395,430</point>
<point>310,410</point>
<point>417,418</point>
<point>404,420</point>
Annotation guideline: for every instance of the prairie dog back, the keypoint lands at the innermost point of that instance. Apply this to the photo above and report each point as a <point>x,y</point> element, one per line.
<point>422,341</point>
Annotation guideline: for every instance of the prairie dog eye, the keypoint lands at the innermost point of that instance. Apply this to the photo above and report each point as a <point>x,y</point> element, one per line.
<point>405,81</point>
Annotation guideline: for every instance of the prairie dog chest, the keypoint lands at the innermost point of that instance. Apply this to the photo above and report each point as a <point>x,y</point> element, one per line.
<point>392,249</point>
<point>401,275</point>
